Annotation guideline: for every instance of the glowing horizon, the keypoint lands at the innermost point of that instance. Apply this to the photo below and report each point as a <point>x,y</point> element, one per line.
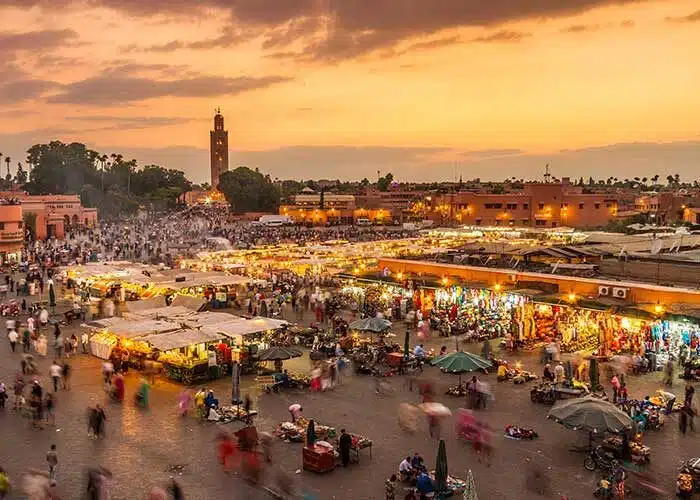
<point>481,89</point>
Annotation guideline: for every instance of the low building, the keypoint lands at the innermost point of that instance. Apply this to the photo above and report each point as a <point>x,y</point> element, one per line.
<point>389,206</point>
<point>54,214</point>
<point>378,207</point>
<point>57,214</point>
<point>11,230</point>
<point>320,209</point>
<point>540,204</point>
<point>666,207</point>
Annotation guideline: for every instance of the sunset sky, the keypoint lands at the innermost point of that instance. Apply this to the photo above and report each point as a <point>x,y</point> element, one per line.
<point>426,89</point>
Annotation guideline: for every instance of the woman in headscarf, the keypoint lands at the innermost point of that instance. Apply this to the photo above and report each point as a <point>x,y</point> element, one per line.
<point>184,401</point>
<point>118,388</point>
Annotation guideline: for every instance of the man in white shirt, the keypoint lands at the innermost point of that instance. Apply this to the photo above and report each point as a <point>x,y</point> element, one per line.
<point>405,469</point>
<point>55,370</point>
<point>85,340</point>
<point>12,336</point>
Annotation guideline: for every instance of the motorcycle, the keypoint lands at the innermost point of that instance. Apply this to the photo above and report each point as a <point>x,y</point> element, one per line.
<point>598,458</point>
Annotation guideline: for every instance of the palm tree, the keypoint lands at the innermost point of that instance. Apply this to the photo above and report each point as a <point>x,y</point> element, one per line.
<point>8,160</point>
<point>655,179</point>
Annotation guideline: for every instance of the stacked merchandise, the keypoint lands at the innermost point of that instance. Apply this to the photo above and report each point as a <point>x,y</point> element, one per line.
<point>229,414</point>
<point>515,432</point>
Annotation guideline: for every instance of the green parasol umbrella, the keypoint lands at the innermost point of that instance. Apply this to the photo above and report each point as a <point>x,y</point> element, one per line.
<point>461,362</point>
<point>441,468</point>
<point>406,346</point>
<point>470,491</point>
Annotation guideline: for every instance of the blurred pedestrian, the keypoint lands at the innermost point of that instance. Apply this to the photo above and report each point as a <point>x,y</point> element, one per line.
<point>55,370</point>
<point>4,484</point>
<point>668,373</point>
<point>345,445</point>
<point>13,337</point>
<point>49,409</point>
<point>52,461</point>
<point>175,490</point>
<point>538,483</point>
<point>66,372</point>
<point>84,341</point>
<point>390,488</point>
<point>3,395</point>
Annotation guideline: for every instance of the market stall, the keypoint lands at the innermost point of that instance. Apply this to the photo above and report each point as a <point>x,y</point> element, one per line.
<point>113,332</point>
<point>188,355</point>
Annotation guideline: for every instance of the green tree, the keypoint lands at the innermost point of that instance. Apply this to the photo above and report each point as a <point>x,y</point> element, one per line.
<point>21,176</point>
<point>249,191</point>
<point>114,187</point>
<point>384,183</point>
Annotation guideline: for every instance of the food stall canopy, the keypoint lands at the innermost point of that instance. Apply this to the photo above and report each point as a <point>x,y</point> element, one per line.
<point>166,312</point>
<point>209,319</point>
<point>180,338</point>
<point>138,306</point>
<point>130,329</point>
<point>204,279</point>
<point>231,280</point>
<point>267,323</point>
<point>191,303</point>
<point>239,327</point>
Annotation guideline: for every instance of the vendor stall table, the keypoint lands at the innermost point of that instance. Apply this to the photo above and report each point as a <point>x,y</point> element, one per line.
<point>564,392</point>
<point>360,443</point>
<point>188,374</point>
<point>318,459</point>
<point>639,453</point>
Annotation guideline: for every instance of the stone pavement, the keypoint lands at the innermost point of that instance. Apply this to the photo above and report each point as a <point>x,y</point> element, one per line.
<point>141,446</point>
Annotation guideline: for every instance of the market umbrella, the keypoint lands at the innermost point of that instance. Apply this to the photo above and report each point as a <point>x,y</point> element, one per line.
<point>591,414</point>
<point>278,353</point>
<point>470,490</point>
<point>374,325</point>
<point>235,383</point>
<point>441,468</point>
<point>461,362</point>
<point>406,343</point>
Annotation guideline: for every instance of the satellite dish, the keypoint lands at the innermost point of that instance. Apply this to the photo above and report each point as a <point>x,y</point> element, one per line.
<point>657,246</point>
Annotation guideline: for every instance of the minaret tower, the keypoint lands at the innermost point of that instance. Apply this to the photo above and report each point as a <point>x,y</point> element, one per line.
<point>218,149</point>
